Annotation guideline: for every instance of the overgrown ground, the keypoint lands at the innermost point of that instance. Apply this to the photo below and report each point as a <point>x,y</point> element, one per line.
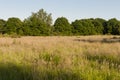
<point>60,58</point>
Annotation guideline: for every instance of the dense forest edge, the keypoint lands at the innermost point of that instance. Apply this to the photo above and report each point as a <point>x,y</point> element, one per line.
<point>40,24</point>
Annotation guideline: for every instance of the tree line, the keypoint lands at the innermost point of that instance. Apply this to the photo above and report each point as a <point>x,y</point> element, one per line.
<point>40,24</point>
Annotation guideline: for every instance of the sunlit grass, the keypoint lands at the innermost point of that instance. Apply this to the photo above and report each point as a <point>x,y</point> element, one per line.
<point>60,58</point>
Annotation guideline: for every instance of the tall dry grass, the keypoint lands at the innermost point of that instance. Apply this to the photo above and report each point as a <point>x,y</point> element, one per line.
<point>60,58</point>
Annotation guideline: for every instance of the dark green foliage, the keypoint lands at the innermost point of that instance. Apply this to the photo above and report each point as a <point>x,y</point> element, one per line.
<point>83,27</point>
<point>98,26</point>
<point>62,26</point>
<point>113,26</point>
<point>40,24</point>
<point>102,21</point>
<point>2,25</point>
<point>104,24</point>
<point>13,25</point>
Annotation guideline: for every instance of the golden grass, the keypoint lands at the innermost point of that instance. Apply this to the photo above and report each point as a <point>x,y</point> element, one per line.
<point>60,58</point>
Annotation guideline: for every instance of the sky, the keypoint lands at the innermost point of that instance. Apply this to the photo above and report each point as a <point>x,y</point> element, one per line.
<point>71,9</point>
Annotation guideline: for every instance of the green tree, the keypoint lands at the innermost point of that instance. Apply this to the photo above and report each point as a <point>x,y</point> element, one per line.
<point>78,28</point>
<point>13,25</point>
<point>2,25</point>
<point>38,23</point>
<point>113,26</point>
<point>98,26</point>
<point>104,24</point>
<point>62,26</point>
<point>83,27</point>
<point>42,15</point>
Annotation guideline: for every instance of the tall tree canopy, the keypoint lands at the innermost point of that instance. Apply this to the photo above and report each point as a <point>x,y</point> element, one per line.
<point>2,25</point>
<point>13,25</point>
<point>38,23</point>
<point>62,26</point>
<point>83,27</point>
<point>98,26</point>
<point>113,26</point>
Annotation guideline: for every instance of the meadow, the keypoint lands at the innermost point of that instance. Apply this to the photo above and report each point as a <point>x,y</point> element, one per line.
<point>60,58</point>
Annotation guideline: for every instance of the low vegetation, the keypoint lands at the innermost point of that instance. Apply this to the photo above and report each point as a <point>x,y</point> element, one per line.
<point>60,58</point>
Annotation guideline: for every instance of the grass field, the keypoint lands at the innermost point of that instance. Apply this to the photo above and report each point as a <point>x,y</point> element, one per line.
<point>60,58</point>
